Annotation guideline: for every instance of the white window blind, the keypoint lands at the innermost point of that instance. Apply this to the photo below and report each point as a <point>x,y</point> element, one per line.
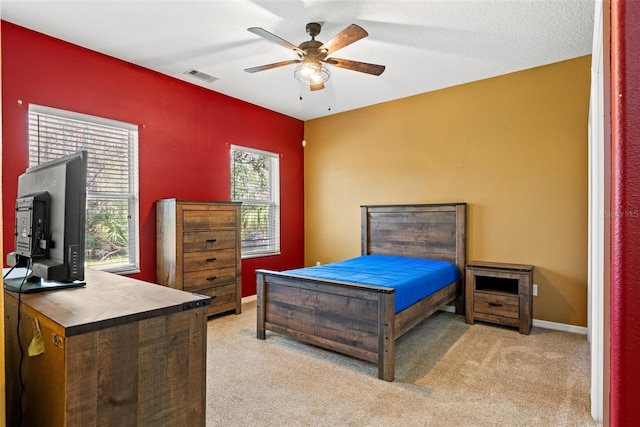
<point>112,179</point>
<point>255,181</point>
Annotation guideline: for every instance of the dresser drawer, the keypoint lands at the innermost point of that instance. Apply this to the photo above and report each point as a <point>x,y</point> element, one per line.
<point>203,279</point>
<point>208,240</point>
<point>208,219</point>
<point>223,298</point>
<point>208,260</point>
<point>496,304</point>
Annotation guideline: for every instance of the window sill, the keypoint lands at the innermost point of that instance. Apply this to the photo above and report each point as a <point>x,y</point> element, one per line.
<point>262,255</point>
<point>121,269</point>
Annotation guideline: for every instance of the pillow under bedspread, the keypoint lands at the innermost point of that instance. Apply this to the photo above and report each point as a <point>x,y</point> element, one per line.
<point>412,278</point>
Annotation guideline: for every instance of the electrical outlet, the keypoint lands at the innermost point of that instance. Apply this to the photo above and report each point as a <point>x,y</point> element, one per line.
<point>535,290</point>
<point>318,263</point>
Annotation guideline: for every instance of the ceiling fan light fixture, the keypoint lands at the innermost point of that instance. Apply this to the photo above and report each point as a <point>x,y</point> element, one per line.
<point>311,72</point>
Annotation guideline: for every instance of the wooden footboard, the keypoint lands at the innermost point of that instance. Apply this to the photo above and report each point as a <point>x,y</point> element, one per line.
<point>352,319</point>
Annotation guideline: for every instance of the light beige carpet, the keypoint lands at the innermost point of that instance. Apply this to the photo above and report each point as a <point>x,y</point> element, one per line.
<point>448,373</point>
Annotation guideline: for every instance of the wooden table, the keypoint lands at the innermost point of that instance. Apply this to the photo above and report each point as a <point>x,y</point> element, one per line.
<point>117,352</point>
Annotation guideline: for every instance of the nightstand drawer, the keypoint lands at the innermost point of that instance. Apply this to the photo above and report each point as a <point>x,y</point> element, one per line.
<point>496,304</point>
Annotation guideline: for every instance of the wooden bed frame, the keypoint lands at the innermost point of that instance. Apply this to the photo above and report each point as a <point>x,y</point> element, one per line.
<point>359,320</point>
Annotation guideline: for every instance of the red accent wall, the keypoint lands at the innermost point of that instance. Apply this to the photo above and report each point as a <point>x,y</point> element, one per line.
<point>184,134</point>
<point>625,229</point>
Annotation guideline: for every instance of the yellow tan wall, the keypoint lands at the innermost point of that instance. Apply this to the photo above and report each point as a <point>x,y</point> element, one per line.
<point>513,147</point>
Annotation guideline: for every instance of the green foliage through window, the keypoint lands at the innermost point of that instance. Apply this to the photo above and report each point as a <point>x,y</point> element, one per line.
<point>111,217</point>
<point>255,183</point>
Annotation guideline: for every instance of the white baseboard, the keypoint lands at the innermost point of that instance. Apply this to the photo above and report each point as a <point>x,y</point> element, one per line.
<point>563,327</point>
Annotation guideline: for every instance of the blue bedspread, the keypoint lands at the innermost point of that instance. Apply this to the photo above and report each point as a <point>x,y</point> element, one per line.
<point>412,278</point>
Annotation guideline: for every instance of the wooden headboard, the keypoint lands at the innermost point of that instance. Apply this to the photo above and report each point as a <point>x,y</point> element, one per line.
<point>436,231</point>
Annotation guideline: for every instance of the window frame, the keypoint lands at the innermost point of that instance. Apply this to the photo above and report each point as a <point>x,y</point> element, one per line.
<point>132,198</point>
<point>275,219</point>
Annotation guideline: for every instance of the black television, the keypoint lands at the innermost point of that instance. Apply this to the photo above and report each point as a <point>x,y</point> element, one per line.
<point>50,226</point>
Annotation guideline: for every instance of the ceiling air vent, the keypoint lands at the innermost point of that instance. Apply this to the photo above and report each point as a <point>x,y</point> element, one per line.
<point>200,75</point>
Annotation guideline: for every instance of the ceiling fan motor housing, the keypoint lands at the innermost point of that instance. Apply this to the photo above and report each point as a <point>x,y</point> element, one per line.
<point>313,29</point>
<point>311,49</point>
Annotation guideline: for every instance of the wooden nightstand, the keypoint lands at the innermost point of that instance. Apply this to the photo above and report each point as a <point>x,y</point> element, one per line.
<point>500,293</point>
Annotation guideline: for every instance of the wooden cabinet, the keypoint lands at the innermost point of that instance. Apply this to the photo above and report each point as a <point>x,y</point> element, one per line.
<point>198,250</point>
<point>500,293</point>
<point>117,352</point>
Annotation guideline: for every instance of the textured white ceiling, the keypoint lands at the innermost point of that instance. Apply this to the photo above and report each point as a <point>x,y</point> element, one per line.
<point>425,45</point>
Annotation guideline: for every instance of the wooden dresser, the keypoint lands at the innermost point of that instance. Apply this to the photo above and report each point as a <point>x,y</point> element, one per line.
<point>117,352</point>
<point>198,250</point>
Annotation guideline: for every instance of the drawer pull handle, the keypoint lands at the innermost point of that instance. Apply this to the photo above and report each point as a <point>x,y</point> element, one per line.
<point>211,240</point>
<point>212,278</point>
<point>495,304</point>
<point>211,259</point>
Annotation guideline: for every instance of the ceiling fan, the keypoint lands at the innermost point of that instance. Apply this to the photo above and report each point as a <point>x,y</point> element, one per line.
<point>313,54</point>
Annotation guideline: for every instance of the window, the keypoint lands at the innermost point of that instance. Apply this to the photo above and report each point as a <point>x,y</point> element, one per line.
<point>111,241</point>
<point>255,181</point>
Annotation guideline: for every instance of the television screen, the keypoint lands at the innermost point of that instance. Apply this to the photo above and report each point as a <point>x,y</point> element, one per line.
<point>50,225</point>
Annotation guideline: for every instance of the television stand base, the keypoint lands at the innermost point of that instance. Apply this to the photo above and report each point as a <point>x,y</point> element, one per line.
<point>23,286</point>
